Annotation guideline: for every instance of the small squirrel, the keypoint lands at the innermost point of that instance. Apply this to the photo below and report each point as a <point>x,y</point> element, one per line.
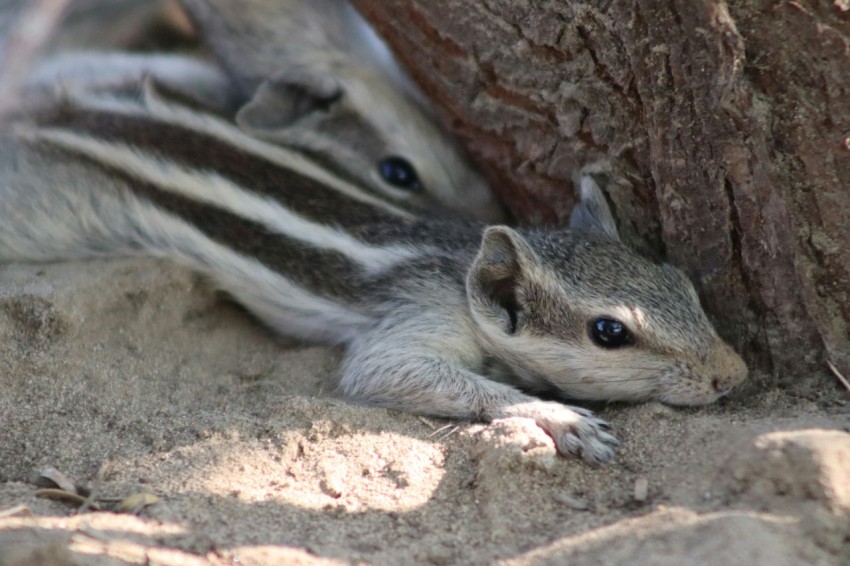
<point>317,78</point>
<point>308,76</point>
<point>440,314</point>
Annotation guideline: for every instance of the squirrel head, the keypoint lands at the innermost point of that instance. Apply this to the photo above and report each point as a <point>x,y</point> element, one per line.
<point>356,122</point>
<point>315,77</point>
<point>576,311</point>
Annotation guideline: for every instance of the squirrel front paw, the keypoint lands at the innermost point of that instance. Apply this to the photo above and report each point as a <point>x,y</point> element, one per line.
<point>586,437</point>
<point>576,431</point>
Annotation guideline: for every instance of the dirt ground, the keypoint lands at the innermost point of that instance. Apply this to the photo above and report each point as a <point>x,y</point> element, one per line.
<point>131,377</point>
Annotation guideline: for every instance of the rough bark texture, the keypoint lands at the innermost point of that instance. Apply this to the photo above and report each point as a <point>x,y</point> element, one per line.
<point>727,124</point>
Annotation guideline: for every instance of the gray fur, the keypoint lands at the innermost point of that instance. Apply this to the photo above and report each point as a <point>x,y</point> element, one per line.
<point>441,316</point>
<point>120,24</point>
<point>304,75</point>
<point>82,74</point>
<point>313,76</point>
<point>592,213</point>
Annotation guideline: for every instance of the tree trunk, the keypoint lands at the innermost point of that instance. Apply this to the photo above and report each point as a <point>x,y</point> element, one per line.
<point>727,124</point>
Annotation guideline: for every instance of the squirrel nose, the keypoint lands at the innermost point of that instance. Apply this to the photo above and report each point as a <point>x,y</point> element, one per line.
<point>730,371</point>
<point>720,385</point>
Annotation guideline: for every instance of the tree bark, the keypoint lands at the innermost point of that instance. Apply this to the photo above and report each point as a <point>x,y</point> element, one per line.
<point>727,125</point>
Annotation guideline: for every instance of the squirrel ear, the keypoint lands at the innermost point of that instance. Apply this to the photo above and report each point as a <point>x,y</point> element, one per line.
<point>592,213</point>
<point>294,95</point>
<point>498,274</point>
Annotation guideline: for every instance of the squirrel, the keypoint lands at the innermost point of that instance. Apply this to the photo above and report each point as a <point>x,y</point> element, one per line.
<point>439,313</point>
<point>308,76</point>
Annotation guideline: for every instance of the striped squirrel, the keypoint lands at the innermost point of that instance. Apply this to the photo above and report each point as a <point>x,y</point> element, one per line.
<point>441,316</point>
<point>318,79</point>
<point>306,75</point>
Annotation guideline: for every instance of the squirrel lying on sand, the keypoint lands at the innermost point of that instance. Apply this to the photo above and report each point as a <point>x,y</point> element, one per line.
<point>440,313</point>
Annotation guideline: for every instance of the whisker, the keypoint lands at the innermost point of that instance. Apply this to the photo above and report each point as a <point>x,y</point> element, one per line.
<point>627,379</point>
<point>597,380</point>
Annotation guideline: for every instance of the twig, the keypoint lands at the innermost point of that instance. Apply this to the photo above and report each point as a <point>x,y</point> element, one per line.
<point>451,432</point>
<point>21,509</point>
<point>452,427</point>
<point>29,33</point>
<point>441,429</point>
<point>89,502</point>
<point>840,377</point>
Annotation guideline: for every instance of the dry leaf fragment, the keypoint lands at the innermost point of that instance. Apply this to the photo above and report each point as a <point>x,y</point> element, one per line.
<point>134,503</point>
<point>51,477</point>
<point>63,495</point>
<point>572,502</point>
<point>21,510</point>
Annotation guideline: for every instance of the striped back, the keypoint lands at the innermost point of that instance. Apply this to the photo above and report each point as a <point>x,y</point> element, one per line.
<point>116,175</point>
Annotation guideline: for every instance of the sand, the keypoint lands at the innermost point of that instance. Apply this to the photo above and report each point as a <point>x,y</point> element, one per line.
<point>133,376</point>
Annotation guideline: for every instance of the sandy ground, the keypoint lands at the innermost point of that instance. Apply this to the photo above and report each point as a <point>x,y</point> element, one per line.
<point>132,376</point>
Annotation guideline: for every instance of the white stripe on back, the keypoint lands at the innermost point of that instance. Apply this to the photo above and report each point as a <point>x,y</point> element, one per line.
<point>210,188</point>
<point>221,130</point>
<point>281,303</point>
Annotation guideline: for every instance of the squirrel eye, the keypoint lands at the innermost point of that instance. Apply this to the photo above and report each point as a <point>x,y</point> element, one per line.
<point>610,333</point>
<point>398,172</point>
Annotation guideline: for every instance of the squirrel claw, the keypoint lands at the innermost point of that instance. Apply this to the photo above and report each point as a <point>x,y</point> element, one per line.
<point>583,435</point>
<point>588,442</point>
<point>576,431</point>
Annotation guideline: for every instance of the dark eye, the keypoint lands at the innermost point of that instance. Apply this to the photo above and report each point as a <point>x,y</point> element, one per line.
<point>398,172</point>
<point>610,333</point>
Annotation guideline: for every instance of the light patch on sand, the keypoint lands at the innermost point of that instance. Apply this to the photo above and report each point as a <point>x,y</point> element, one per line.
<point>360,471</point>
